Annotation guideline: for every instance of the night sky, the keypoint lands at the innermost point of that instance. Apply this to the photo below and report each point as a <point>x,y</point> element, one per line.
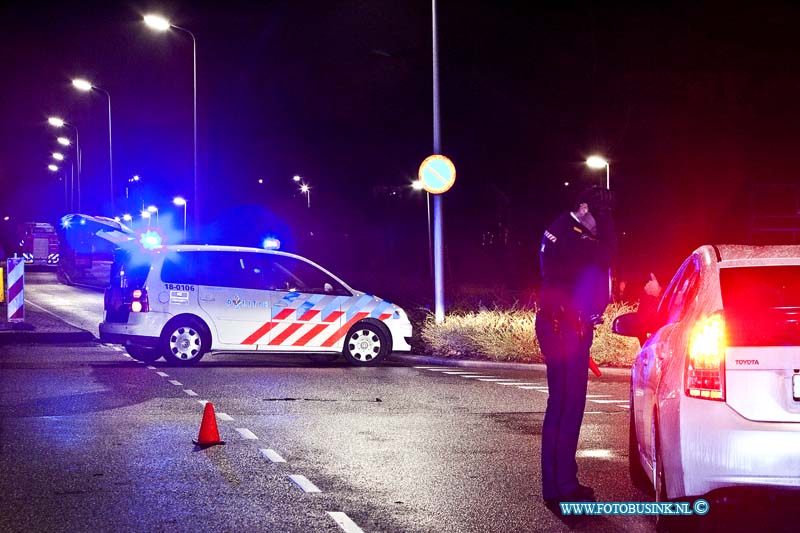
<point>695,105</point>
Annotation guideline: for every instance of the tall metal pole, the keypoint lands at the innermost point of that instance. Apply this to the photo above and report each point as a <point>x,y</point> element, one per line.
<point>608,176</point>
<point>110,151</point>
<point>438,267</point>
<point>196,192</point>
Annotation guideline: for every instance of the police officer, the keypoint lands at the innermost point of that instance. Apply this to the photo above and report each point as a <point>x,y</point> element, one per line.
<point>575,257</point>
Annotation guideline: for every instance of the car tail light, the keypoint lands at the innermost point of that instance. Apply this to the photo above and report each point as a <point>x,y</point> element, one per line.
<point>140,303</point>
<point>705,366</point>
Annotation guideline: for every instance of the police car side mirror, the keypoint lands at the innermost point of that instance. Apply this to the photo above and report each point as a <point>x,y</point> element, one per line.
<point>327,287</point>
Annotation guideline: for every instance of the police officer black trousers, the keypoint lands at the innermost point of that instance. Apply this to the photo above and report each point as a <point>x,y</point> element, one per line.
<point>565,347</point>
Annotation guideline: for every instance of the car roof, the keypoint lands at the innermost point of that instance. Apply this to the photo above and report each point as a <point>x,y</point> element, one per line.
<point>742,254</point>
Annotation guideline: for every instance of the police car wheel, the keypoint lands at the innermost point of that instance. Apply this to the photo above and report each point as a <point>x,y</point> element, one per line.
<point>365,344</point>
<point>147,355</point>
<point>185,341</point>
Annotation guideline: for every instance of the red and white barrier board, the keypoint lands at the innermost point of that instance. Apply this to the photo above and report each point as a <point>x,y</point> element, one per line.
<point>16,289</point>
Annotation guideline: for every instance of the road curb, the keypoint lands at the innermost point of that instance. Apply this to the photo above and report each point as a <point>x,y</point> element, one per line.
<point>44,337</point>
<point>498,365</point>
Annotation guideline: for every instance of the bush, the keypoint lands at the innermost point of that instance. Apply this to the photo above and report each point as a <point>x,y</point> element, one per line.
<point>508,335</point>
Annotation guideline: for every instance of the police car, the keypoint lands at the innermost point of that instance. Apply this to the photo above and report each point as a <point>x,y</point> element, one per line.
<point>181,302</point>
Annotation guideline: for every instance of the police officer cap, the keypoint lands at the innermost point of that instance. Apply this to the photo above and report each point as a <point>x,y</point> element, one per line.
<point>598,199</point>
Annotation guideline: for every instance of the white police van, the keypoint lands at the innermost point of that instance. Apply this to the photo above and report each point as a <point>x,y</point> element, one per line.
<point>181,302</point>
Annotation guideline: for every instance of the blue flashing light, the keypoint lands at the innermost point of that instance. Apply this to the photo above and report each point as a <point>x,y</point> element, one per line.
<point>150,240</point>
<point>83,222</point>
<point>66,223</point>
<point>271,243</point>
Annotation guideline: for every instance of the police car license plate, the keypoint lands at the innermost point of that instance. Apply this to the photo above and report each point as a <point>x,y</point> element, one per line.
<point>796,386</point>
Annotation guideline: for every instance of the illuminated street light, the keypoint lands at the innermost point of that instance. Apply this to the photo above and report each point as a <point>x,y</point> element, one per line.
<point>598,162</point>
<point>84,85</point>
<point>161,24</point>
<point>57,122</point>
<point>153,209</point>
<point>157,22</point>
<point>305,189</point>
<point>63,141</point>
<point>179,201</point>
<point>52,168</point>
<point>417,185</point>
<point>58,156</point>
<point>127,217</point>
<point>296,178</point>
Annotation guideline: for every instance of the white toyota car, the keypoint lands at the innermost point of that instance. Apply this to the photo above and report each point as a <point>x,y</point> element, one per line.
<point>715,390</point>
<point>181,302</point>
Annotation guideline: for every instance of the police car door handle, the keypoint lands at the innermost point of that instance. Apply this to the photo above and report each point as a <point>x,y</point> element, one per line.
<point>207,299</point>
<point>280,303</point>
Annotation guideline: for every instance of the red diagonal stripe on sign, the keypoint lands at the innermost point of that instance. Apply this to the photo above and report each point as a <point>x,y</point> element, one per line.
<point>308,315</point>
<point>284,314</point>
<point>285,334</point>
<point>313,332</point>
<point>15,289</point>
<point>333,316</point>
<point>330,341</point>
<point>260,332</point>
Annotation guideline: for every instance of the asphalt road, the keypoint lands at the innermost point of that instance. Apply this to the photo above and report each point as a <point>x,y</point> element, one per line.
<point>92,440</point>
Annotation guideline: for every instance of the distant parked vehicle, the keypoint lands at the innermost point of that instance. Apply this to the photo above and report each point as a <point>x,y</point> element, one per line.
<point>37,243</point>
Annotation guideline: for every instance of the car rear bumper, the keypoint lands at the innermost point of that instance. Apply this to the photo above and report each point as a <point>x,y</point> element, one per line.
<point>141,329</point>
<point>720,448</point>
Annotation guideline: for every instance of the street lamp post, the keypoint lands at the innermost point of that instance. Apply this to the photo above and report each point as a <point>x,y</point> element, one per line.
<point>179,201</point>
<point>304,188</point>
<point>54,168</point>
<point>598,162</point>
<point>86,86</point>
<point>153,209</point>
<point>159,23</point>
<point>60,123</point>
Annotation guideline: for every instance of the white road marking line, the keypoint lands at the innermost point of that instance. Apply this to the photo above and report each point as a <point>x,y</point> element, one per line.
<point>127,355</point>
<point>163,374</point>
<point>150,367</point>
<point>224,416</point>
<point>598,396</point>
<point>428,367</point>
<point>246,434</point>
<point>513,383</point>
<point>202,402</point>
<point>345,523</point>
<point>609,401</point>
<point>304,483</point>
<point>190,392</point>
<point>531,388</point>
<point>624,406</point>
<point>476,376</point>
<point>446,369</point>
<point>595,412</point>
<point>272,455</point>
<point>117,348</point>
<point>493,379</point>
<point>176,383</point>
<point>458,372</point>
<point>140,362</point>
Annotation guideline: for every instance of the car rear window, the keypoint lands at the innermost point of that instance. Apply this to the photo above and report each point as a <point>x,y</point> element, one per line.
<point>762,305</point>
<point>131,266</point>
<point>762,287</point>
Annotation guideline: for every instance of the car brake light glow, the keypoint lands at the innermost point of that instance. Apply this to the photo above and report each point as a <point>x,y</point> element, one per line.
<point>705,366</point>
<point>140,303</point>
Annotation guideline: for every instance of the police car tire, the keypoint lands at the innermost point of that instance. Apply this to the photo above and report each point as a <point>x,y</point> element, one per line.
<point>187,329</point>
<point>365,344</point>
<point>146,355</point>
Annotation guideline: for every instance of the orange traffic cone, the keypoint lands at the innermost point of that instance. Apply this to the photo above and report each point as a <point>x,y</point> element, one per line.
<point>209,434</point>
